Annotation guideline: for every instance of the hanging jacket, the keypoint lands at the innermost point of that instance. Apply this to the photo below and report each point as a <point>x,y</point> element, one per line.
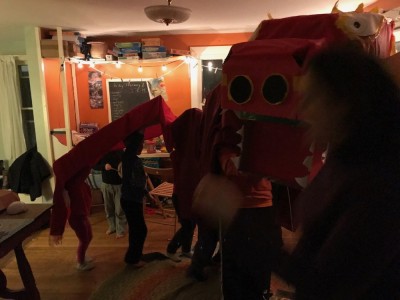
<point>27,173</point>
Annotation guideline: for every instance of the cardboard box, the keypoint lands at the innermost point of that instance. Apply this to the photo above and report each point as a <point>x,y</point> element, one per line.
<point>98,49</point>
<point>179,52</point>
<point>123,45</point>
<point>151,42</point>
<point>49,48</point>
<point>151,55</point>
<point>154,49</point>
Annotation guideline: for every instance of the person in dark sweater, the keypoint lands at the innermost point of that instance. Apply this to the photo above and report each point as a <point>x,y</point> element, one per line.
<point>132,194</point>
<point>350,246</point>
<point>111,190</point>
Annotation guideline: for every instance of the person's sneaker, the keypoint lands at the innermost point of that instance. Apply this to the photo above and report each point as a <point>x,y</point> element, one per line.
<point>120,235</point>
<point>109,231</point>
<point>88,259</point>
<point>187,254</point>
<point>86,266</point>
<point>174,257</point>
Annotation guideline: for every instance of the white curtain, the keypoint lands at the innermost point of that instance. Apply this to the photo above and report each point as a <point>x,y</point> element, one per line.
<point>13,139</point>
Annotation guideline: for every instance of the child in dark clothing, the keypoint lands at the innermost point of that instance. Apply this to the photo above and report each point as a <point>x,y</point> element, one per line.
<point>132,193</point>
<point>111,191</point>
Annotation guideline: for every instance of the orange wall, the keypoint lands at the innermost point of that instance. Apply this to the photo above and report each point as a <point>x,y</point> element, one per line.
<point>177,82</point>
<point>177,86</point>
<point>52,76</point>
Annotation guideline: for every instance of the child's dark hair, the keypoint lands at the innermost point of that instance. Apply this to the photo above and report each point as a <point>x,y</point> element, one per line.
<point>134,140</point>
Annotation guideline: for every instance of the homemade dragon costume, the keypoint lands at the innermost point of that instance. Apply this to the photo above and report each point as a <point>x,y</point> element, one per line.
<point>259,85</point>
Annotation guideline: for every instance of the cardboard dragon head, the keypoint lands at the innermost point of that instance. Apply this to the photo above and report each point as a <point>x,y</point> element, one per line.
<point>260,84</point>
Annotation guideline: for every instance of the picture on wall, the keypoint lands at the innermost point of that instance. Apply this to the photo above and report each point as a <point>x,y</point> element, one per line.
<point>158,88</point>
<point>95,90</point>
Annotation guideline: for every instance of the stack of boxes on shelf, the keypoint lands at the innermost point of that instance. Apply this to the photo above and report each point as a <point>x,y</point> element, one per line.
<point>126,50</point>
<point>153,48</point>
<point>71,44</point>
<point>148,48</point>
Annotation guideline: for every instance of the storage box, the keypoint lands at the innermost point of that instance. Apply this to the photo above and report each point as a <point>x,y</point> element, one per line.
<point>49,48</point>
<point>151,42</point>
<point>123,45</point>
<point>98,49</point>
<point>179,52</point>
<point>154,49</point>
<point>150,55</point>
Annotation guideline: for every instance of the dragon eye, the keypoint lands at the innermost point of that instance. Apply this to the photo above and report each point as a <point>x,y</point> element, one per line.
<point>240,89</point>
<point>357,25</point>
<point>275,89</point>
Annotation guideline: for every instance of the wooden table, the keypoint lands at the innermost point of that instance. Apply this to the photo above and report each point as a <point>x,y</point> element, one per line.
<point>14,229</point>
<point>157,154</point>
<point>157,159</point>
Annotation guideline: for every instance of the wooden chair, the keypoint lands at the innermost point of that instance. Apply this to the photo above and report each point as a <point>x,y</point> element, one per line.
<point>164,189</point>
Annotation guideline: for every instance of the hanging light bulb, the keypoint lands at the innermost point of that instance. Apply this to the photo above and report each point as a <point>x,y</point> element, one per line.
<point>91,64</point>
<point>209,65</point>
<point>80,65</point>
<point>140,69</point>
<point>118,65</point>
<point>164,68</point>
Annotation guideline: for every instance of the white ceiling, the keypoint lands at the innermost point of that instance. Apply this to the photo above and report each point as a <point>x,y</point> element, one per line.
<point>126,17</point>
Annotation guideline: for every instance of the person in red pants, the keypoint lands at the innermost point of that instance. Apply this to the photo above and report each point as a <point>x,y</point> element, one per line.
<point>73,203</point>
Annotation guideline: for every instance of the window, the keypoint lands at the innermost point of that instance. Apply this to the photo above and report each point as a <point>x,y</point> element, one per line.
<point>211,76</point>
<point>26,106</point>
<point>203,77</point>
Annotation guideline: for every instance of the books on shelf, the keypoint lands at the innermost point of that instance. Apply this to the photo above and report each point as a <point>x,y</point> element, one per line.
<point>123,45</point>
<point>129,58</point>
<point>154,49</point>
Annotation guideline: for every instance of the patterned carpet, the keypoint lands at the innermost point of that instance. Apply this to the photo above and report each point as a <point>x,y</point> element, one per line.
<point>159,279</point>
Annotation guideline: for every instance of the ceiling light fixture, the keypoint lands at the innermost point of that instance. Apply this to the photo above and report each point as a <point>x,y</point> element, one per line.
<point>167,14</point>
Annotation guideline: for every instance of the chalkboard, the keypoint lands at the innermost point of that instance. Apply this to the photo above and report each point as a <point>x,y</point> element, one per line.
<point>123,95</point>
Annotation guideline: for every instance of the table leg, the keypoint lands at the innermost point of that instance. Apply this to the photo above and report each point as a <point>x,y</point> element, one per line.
<point>10,294</point>
<point>26,274</point>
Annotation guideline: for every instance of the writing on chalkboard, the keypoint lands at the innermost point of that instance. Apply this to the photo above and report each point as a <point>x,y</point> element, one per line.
<point>125,95</point>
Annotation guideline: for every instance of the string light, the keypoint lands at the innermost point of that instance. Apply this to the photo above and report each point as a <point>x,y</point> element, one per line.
<point>209,65</point>
<point>192,61</point>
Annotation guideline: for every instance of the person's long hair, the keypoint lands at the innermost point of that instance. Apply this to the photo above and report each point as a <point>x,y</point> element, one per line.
<point>359,81</point>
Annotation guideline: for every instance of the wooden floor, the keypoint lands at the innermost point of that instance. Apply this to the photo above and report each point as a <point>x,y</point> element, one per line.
<point>54,267</point>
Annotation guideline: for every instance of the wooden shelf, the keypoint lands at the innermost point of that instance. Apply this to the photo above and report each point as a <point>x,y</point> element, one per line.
<point>157,61</point>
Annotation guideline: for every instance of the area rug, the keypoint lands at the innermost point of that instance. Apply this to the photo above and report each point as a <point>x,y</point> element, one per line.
<point>159,279</point>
